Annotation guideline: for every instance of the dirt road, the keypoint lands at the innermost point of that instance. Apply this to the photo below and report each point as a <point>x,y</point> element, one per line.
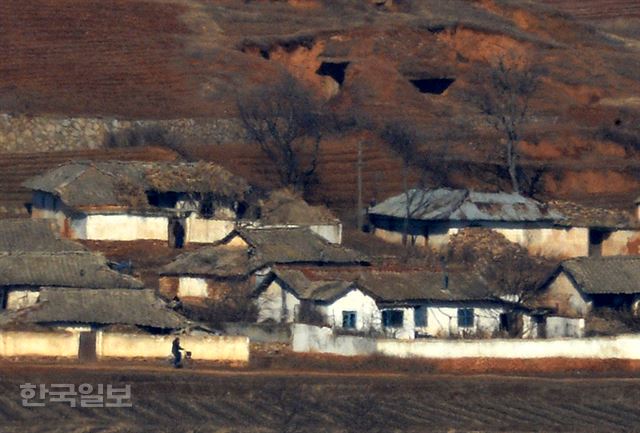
<point>228,400</point>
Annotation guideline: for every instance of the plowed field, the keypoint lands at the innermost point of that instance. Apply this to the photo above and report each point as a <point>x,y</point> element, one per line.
<point>260,401</point>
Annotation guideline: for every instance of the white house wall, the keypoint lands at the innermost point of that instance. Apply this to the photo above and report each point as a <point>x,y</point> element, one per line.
<point>277,304</point>
<point>367,312</point>
<point>621,242</point>
<point>330,232</point>
<point>200,230</point>
<point>408,329</point>
<point>124,227</point>
<point>17,299</point>
<point>192,287</point>
<point>547,241</point>
<point>443,321</point>
<point>557,327</point>
<point>562,295</point>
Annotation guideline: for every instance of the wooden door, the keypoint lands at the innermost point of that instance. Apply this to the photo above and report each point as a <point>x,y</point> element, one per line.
<point>87,350</point>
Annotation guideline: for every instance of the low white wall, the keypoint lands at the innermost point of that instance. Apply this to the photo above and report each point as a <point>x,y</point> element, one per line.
<point>622,347</point>
<point>45,344</point>
<point>119,227</point>
<point>308,338</point>
<point>202,230</point>
<point>209,348</point>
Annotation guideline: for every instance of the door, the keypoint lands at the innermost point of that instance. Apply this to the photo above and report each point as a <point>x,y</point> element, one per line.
<point>87,350</point>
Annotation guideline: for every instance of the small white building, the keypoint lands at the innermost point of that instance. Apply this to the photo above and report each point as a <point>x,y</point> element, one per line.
<point>557,229</point>
<point>126,200</point>
<point>579,285</point>
<point>398,305</point>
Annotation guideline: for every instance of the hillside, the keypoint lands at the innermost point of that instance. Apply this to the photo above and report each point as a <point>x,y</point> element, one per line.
<point>421,61</point>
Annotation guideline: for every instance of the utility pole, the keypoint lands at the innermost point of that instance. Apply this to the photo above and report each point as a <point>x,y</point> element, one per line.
<point>359,163</point>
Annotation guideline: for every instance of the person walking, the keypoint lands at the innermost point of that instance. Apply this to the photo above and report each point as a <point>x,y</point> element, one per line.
<point>175,350</point>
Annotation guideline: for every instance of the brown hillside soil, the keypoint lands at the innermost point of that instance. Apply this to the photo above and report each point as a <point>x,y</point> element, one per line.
<point>176,58</point>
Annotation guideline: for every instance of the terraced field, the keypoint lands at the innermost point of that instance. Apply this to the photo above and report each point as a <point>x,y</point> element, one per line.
<point>598,9</point>
<point>259,401</point>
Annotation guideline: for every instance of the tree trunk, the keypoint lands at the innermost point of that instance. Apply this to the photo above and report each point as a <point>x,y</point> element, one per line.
<point>513,166</point>
<point>359,215</point>
<point>405,225</point>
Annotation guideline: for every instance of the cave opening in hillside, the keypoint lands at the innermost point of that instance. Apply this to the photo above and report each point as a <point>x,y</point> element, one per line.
<point>335,70</point>
<point>434,86</point>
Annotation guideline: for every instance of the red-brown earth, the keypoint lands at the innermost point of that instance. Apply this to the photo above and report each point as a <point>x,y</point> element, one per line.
<point>177,58</point>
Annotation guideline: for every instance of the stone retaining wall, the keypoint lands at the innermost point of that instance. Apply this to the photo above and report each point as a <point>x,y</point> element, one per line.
<point>40,134</point>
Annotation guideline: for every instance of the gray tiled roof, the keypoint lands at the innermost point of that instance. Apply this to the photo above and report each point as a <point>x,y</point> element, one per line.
<point>106,307</point>
<point>123,183</point>
<point>62,269</point>
<point>605,275</point>
<point>33,235</point>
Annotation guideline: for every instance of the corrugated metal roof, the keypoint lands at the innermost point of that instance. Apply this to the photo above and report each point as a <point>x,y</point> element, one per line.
<point>444,204</point>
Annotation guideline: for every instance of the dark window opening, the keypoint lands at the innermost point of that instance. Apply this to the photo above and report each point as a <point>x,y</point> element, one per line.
<point>420,316</point>
<point>392,318</point>
<point>435,86</point>
<point>333,70</point>
<point>207,207</point>
<point>162,199</point>
<point>349,319</point>
<point>241,209</point>
<point>465,317</point>
<point>596,237</point>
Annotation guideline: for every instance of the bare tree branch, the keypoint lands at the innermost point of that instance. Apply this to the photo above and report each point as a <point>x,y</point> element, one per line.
<point>285,121</point>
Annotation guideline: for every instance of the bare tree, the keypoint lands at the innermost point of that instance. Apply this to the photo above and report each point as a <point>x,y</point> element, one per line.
<point>284,119</point>
<point>505,102</point>
<point>402,138</point>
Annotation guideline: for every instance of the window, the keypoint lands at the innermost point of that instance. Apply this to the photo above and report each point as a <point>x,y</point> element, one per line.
<point>349,319</point>
<point>420,316</point>
<point>465,317</point>
<point>392,318</point>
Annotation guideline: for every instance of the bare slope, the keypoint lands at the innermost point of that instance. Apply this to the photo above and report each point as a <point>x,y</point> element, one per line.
<point>175,58</point>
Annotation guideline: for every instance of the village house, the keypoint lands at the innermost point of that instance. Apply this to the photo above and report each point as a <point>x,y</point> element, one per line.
<point>245,256</point>
<point>23,275</point>
<point>558,229</point>
<point>580,285</point>
<point>123,201</point>
<point>284,208</point>
<point>134,317</point>
<point>403,305</point>
<point>87,310</point>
